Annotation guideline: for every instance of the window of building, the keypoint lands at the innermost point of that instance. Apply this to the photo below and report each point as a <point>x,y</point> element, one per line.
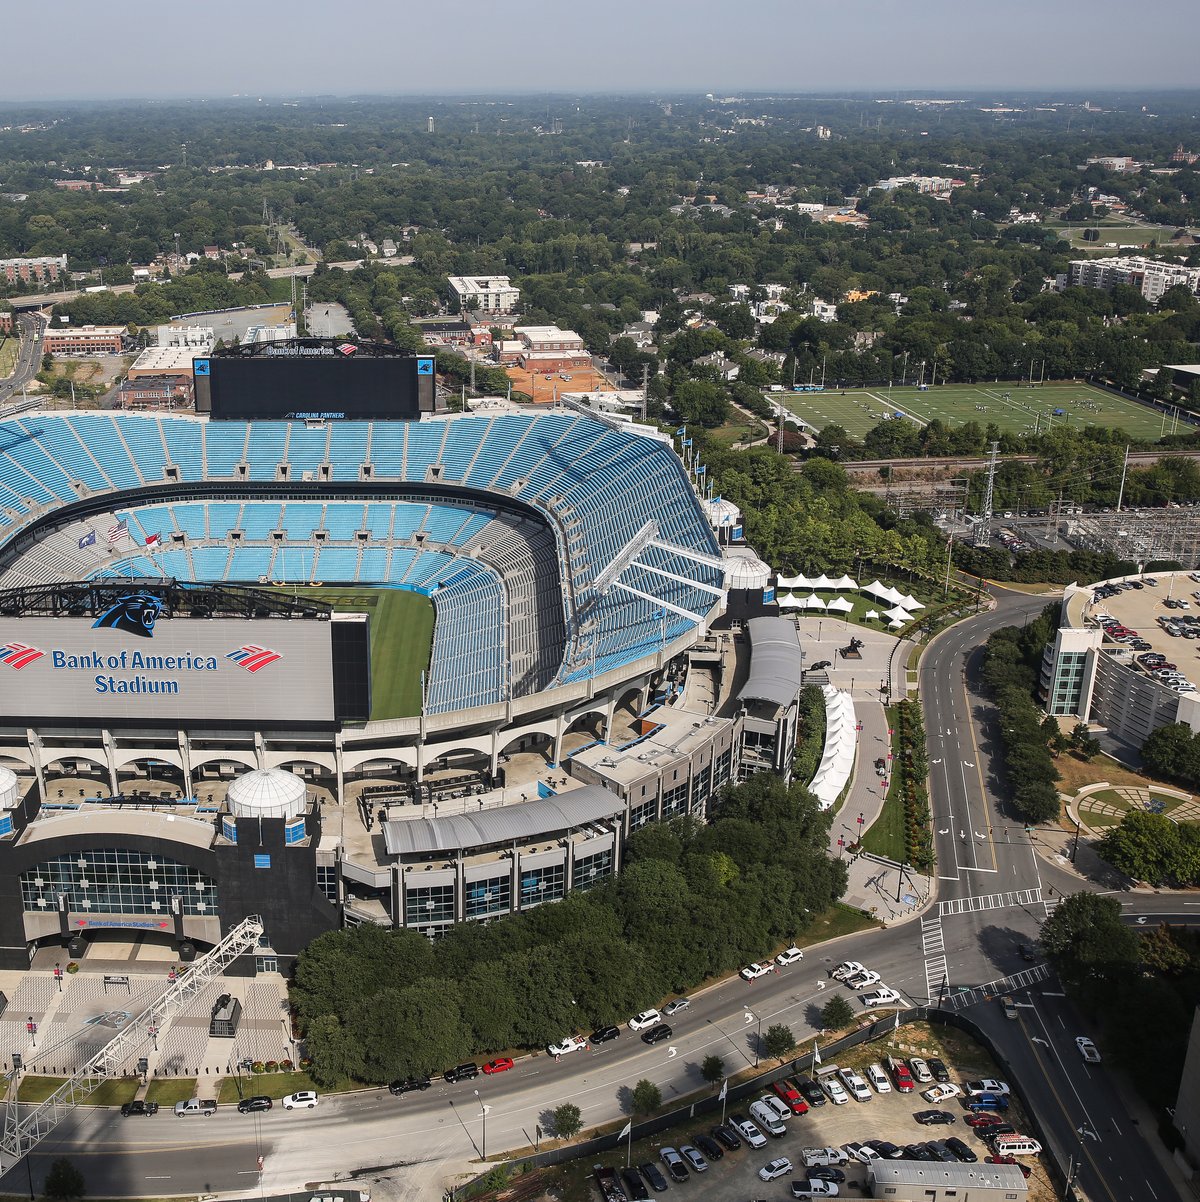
<point>675,801</point>
<point>639,815</point>
<point>591,870</point>
<point>327,881</point>
<point>429,904</point>
<point>117,880</point>
<point>491,896</point>
<point>544,884</point>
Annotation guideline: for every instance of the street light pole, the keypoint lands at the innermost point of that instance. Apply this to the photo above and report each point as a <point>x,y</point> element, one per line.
<point>758,1042</point>
<point>1075,844</point>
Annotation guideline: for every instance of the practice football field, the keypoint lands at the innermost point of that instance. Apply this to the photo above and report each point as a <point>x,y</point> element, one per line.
<point>401,640</point>
<point>859,409</point>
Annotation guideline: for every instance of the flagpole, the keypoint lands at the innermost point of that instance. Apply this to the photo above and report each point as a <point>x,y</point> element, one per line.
<point>724,1098</point>
<point>629,1145</point>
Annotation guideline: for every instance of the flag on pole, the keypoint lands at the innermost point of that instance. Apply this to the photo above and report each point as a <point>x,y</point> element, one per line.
<point>626,1130</point>
<point>896,1027</point>
<point>152,540</point>
<point>118,531</point>
<point>816,1053</point>
<point>681,430</point>
<point>724,1090</point>
<point>88,540</point>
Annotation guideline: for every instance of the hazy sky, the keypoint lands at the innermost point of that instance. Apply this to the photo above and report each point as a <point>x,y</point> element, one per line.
<point>131,48</point>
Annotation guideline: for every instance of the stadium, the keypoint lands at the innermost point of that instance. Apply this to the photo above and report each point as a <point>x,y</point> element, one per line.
<point>225,693</point>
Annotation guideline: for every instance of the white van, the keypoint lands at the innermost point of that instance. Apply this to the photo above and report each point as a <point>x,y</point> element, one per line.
<point>1016,1145</point>
<point>767,1119</point>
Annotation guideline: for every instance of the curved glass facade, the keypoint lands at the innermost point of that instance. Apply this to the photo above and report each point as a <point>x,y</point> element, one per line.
<point>116,879</point>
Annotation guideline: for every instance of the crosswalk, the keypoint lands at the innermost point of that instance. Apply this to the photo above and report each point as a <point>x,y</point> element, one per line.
<point>933,948</point>
<point>991,901</point>
<point>964,997</point>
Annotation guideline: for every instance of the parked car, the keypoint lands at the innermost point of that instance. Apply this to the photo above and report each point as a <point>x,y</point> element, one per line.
<point>918,1152</point>
<point>855,1085</point>
<point>983,1119</point>
<point>863,1153</point>
<point>961,1150</point>
<point>675,1005</point>
<point>814,1187</point>
<point>791,955</point>
<point>776,1106</point>
<point>849,968</point>
<point>833,1087</point>
<point>901,1076</point>
<point>647,1018</point>
<point>988,1101</point>
<point>140,1109</point>
<point>941,1093</point>
<point>1025,1169</point>
<point>753,971</point>
<point>657,1181</point>
<point>878,1079</point>
<point>766,1117</point>
<point>709,1147</point>
<point>571,1043</point>
<point>633,1185</point>
<point>887,1149</point>
<point>789,1095</point>
<point>862,980</point>
<point>779,1167</point>
<point>934,1118</point>
<point>725,1135</point>
<point>252,1105</point>
<point>500,1065</point>
<point>748,1131</point>
<point>408,1085</point>
<point>826,1173</point>
<point>695,1161</point>
<point>883,996</point>
<point>810,1091</point>
<point>461,1072</point>
<point>677,1168</point>
<point>939,1070</point>
<point>920,1070</point>
<point>814,1157</point>
<point>656,1034</point>
<point>941,1151</point>
<point>305,1099</point>
<point>604,1034</point>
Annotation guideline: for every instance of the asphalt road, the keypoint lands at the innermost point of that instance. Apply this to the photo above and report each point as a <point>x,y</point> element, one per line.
<point>28,360</point>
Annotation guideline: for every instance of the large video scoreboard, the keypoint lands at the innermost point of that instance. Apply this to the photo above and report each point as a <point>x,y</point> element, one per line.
<point>314,379</point>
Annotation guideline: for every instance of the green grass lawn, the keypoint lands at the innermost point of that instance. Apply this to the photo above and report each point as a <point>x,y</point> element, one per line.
<point>166,1091</point>
<point>401,639</point>
<point>741,429</point>
<point>274,1085</point>
<point>9,346</point>
<point>922,590</point>
<point>858,410</point>
<point>110,1093</point>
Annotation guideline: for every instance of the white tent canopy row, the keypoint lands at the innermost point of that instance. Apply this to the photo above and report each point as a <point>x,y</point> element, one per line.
<point>893,596</point>
<point>841,738</point>
<point>839,605</point>
<point>826,583</point>
<point>897,615</point>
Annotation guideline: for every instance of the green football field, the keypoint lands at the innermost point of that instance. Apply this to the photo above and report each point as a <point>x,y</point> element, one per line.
<point>858,409</point>
<point>401,640</point>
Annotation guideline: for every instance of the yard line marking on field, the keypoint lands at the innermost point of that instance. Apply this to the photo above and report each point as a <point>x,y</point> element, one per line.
<point>990,901</point>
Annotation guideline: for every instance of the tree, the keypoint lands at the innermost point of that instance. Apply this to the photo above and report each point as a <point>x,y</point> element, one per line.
<point>836,1013</point>
<point>699,402</point>
<point>712,1068</point>
<point>646,1097</point>
<point>64,1181</point>
<point>1144,846</point>
<point>778,1041</point>
<point>1088,942</point>
<point>568,1120</point>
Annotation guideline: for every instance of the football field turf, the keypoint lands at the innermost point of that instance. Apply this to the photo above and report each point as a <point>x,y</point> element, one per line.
<point>859,409</point>
<point>401,640</point>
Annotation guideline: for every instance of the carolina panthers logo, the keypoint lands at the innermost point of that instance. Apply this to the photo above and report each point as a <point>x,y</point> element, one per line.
<point>135,613</point>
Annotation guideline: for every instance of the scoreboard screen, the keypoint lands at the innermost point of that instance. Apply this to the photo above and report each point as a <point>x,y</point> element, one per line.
<point>311,379</point>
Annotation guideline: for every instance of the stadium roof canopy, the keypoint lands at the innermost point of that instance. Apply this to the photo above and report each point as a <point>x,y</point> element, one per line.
<point>505,824</point>
<point>775,662</point>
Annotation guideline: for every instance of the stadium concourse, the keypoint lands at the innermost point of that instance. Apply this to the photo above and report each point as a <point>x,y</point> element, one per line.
<point>190,742</point>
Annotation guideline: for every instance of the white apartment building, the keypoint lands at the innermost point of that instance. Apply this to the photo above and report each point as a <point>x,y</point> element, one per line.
<point>1149,276</point>
<point>484,293</point>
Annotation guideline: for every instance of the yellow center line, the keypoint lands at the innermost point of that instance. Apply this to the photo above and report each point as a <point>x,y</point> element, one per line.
<point>1085,1150</point>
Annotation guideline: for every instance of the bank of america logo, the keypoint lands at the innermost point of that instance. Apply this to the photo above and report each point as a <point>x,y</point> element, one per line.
<point>251,657</point>
<point>346,348</point>
<point>19,655</point>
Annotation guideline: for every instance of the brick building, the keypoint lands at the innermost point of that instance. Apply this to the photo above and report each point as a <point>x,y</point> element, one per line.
<point>38,271</point>
<point>156,392</point>
<point>84,340</point>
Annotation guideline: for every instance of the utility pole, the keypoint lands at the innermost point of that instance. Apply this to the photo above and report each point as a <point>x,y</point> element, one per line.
<point>983,529</point>
<point>645,389</point>
<point>1124,469</point>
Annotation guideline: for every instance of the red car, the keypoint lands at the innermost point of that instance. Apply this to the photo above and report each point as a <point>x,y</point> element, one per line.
<point>789,1095</point>
<point>500,1065</point>
<point>983,1119</point>
<point>1008,1160</point>
<point>901,1076</point>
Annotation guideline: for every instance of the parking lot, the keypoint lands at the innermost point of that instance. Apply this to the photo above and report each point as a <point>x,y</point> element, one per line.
<point>887,1116</point>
